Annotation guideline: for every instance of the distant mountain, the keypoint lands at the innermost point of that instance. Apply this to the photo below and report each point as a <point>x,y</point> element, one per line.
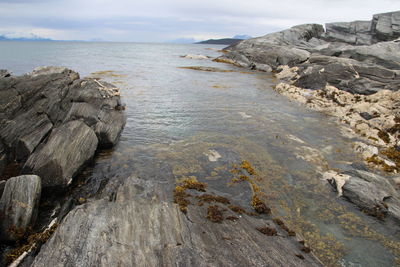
<point>29,38</point>
<point>224,41</point>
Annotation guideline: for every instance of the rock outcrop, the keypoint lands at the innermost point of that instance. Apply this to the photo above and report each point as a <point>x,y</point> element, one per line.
<point>18,206</point>
<point>53,121</point>
<point>137,225</point>
<point>358,57</point>
<point>382,27</point>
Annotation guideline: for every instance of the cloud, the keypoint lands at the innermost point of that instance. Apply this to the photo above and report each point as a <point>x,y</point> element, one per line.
<point>161,20</point>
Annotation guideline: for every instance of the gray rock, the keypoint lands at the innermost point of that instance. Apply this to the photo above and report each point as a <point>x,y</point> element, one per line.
<point>386,26</point>
<point>346,74</point>
<point>356,32</point>
<point>46,100</point>
<point>18,206</point>
<point>139,227</point>
<point>372,193</point>
<point>281,48</point>
<point>68,148</point>
<point>109,127</point>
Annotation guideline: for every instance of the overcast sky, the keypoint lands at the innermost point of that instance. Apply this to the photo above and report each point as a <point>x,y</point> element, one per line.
<point>163,20</point>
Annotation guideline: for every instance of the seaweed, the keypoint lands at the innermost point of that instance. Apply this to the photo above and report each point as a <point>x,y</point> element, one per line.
<point>194,184</point>
<point>267,231</point>
<point>213,198</point>
<point>215,214</point>
<point>306,249</point>
<point>247,166</point>
<point>284,227</point>
<point>384,136</point>
<point>259,206</point>
<point>180,198</point>
<point>32,242</point>
<point>237,209</point>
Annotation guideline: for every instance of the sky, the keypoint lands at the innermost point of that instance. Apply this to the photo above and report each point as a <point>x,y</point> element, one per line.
<point>166,20</point>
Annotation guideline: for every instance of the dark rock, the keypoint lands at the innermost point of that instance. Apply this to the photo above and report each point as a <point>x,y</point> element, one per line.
<point>37,107</point>
<point>67,149</point>
<point>18,206</point>
<point>366,116</point>
<point>2,185</point>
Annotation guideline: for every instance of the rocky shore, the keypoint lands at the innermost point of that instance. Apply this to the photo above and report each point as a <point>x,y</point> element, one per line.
<point>351,71</point>
<point>52,123</point>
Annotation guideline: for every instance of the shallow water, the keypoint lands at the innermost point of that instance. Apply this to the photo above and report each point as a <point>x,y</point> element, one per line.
<point>183,123</point>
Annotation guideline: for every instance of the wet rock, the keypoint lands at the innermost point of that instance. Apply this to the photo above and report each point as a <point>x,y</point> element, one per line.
<point>68,148</point>
<point>139,226</point>
<point>18,206</point>
<point>371,193</point>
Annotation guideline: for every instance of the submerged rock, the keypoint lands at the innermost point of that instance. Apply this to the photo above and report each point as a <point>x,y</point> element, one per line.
<point>55,121</point>
<point>18,206</point>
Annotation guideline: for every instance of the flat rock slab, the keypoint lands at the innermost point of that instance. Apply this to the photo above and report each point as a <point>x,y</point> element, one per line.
<point>18,206</point>
<point>137,227</point>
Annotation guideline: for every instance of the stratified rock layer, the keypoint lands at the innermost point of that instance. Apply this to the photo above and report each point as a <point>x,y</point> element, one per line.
<point>54,121</point>
<point>358,57</point>
<point>136,226</point>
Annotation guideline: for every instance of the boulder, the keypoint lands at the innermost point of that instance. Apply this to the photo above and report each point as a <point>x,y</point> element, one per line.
<point>67,149</point>
<point>18,206</point>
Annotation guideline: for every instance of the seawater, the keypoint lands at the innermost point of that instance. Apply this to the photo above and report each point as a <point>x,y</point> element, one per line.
<point>187,123</point>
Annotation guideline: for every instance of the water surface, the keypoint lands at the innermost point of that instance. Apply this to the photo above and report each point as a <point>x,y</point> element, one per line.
<point>177,118</point>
